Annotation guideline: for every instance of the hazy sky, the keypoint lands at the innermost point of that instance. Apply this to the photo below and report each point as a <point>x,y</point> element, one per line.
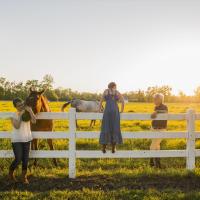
<point>85,44</point>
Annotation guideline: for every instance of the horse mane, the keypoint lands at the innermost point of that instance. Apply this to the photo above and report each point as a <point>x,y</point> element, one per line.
<point>45,105</point>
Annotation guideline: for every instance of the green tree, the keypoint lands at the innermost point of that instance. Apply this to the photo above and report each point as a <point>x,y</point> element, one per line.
<point>47,82</point>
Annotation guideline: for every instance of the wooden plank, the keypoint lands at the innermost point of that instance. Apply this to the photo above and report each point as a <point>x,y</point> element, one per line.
<point>131,154</point>
<point>190,160</point>
<point>132,116</point>
<point>6,115</point>
<point>144,116</point>
<point>6,154</point>
<point>99,154</point>
<point>5,135</point>
<point>95,135</point>
<point>40,135</point>
<point>150,135</point>
<point>53,135</point>
<point>72,143</point>
<point>197,152</point>
<point>38,154</point>
<point>89,116</point>
<point>135,135</point>
<point>197,135</point>
<point>87,135</point>
<point>53,115</point>
<point>42,115</point>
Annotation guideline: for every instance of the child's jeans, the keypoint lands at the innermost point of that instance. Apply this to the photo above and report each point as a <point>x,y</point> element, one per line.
<point>155,143</point>
<point>21,152</point>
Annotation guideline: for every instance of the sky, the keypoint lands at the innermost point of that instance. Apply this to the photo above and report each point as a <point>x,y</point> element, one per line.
<point>85,44</point>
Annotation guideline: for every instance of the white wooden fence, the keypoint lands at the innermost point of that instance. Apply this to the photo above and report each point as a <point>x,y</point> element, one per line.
<point>190,135</point>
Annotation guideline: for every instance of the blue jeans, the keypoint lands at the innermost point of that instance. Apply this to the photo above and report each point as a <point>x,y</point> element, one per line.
<point>21,152</point>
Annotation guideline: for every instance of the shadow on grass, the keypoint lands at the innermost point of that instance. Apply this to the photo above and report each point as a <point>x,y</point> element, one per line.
<point>184,183</point>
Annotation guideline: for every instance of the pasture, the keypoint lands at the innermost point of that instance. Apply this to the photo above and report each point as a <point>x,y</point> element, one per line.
<point>107,178</point>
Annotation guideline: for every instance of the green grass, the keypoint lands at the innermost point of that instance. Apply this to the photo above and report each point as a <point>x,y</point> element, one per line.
<point>106,178</point>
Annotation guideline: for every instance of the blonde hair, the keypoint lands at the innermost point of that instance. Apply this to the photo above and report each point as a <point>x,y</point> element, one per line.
<point>159,96</point>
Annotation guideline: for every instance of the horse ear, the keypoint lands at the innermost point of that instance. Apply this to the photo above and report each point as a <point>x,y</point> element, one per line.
<point>41,92</point>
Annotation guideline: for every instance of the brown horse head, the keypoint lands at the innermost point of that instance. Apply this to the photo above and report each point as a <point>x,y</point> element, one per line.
<point>36,101</point>
<point>39,103</point>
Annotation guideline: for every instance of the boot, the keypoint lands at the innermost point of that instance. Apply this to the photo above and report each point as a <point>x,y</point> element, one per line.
<point>104,148</point>
<point>151,163</point>
<point>157,161</point>
<point>55,162</point>
<point>113,148</point>
<point>12,176</point>
<point>24,177</point>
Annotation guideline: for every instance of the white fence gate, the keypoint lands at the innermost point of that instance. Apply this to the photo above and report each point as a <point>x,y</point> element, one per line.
<point>190,135</point>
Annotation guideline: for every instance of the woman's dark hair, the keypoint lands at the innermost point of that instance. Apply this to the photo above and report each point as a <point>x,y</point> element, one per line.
<point>17,100</point>
<point>112,85</point>
<point>26,116</point>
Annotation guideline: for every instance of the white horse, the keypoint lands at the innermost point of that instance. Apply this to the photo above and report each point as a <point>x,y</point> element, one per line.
<point>83,106</point>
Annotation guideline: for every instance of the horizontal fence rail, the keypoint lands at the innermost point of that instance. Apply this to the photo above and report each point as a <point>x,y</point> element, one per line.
<point>190,135</point>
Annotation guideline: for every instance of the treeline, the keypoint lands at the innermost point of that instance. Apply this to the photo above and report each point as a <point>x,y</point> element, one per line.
<point>147,96</point>
<point>10,90</point>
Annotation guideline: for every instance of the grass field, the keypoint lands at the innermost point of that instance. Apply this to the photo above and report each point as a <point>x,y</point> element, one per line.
<point>107,178</point>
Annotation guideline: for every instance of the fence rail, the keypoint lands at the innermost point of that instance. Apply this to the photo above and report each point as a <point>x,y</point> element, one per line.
<point>190,135</point>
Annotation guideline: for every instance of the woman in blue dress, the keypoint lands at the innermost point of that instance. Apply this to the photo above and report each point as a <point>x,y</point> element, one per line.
<point>110,127</point>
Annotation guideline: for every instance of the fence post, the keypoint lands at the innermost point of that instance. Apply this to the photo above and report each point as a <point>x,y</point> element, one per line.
<point>190,160</point>
<point>72,143</point>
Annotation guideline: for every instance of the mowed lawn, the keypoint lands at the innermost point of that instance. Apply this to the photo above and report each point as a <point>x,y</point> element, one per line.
<point>106,178</point>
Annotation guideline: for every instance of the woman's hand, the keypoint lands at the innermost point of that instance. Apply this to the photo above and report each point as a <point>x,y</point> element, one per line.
<point>29,109</point>
<point>33,120</point>
<point>33,117</point>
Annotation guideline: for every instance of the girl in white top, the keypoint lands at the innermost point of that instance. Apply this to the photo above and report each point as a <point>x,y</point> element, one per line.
<point>21,138</point>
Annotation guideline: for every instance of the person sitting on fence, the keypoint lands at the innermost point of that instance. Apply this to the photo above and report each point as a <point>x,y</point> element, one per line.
<point>110,127</point>
<point>158,125</point>
<point>21,138</point>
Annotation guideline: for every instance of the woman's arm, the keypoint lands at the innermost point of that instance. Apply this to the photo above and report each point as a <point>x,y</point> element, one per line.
<point>102,100</point>
<point>121,99</point>
<point>33,117</point>
<point>16,122</point>
<point>100,105</point>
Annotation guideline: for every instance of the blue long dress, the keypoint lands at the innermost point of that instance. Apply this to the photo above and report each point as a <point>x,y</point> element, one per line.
<point>110,127</point>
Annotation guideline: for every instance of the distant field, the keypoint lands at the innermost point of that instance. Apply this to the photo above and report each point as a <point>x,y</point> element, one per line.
<point>107,178</point>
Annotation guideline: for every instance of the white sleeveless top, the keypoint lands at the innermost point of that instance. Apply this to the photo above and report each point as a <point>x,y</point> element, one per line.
<point>23,134</point>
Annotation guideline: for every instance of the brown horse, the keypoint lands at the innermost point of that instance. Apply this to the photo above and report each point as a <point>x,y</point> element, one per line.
<point>39,103</point>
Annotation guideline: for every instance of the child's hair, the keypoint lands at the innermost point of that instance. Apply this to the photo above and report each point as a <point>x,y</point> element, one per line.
<point>159,96</point>
<point>17,100</point>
